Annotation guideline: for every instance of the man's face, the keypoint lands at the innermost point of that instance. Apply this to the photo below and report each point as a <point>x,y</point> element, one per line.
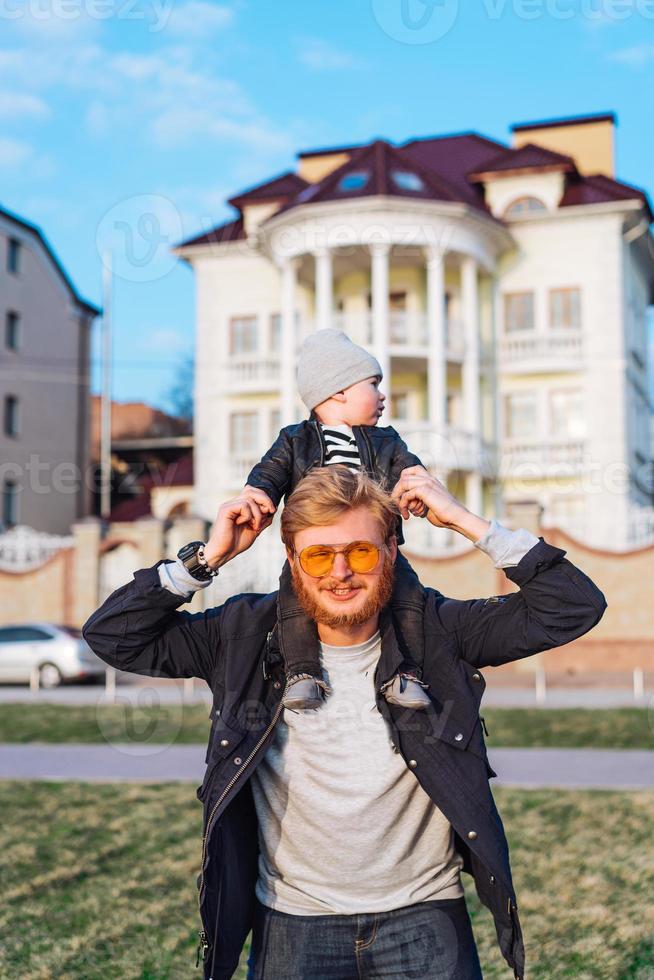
<point>344,597</point>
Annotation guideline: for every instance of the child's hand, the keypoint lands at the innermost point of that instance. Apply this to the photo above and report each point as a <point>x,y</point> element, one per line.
<point>259,502</point>
<point>416,507</point>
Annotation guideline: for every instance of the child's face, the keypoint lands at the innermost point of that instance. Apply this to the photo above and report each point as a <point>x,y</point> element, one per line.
<point>364,402</point>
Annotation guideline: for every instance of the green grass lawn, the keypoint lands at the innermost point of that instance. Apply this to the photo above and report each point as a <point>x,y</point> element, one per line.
<point>615,728</point>
<point>98,882</point>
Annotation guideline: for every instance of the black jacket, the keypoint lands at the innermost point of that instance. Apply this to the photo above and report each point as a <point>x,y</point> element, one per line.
<point>300,447</point>
<point>237,649</point>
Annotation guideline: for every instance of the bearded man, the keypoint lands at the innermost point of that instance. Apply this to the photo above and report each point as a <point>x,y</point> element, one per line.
<point>338,836</point>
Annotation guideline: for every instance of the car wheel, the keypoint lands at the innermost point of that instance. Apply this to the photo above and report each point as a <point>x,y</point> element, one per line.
<point>49,676</point>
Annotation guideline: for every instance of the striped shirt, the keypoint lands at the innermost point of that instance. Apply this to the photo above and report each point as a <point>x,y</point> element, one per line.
<point>340,446</point>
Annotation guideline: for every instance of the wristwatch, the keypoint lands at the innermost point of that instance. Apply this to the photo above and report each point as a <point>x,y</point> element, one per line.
<point>192,557</point>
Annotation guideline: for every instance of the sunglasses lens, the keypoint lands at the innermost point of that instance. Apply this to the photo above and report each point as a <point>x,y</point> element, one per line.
<point>317,561</point>
<point>363,557</point>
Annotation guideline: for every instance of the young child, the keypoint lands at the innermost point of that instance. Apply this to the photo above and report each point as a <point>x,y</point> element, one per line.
<point>339,383</point>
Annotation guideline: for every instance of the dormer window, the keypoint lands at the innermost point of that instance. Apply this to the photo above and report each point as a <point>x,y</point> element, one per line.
<point>354,181</point>
<point>407,181</point>
<point>524,205</point>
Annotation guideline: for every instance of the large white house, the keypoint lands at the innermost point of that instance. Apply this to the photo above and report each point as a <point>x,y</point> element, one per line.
<point>504,289</point>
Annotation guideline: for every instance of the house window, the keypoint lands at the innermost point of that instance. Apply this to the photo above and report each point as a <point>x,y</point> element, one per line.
<point>565,307</point>
<point>400,405</point>
<point>12,330</point>
<point>275,335</point>
<point>524,205</point>
<point>567,417</point>
<point>354,181</point>
<point>10,503</point>
<point>407,181</point>
<point>243,335</point>
<point>518,311</point>
<point>13,256</point>
<point>521,415</point>
<point>243,433</point>
<point>11,415</point>
<point>275,423</point>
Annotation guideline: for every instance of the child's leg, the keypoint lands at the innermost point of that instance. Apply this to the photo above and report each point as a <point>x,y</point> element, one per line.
<point>408,604</point>
<point>299,636</point>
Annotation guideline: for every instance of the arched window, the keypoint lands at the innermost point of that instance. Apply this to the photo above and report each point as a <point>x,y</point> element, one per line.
<point>524,205</point>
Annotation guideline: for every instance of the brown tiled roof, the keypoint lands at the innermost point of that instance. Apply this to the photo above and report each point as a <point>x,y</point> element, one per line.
<point>599,189</point>
<point>385,170</point>
<point>231,231</point>
<point>527,157</point>
<point>279,188</point>
<point>453,157</point>
<point>443,168</point>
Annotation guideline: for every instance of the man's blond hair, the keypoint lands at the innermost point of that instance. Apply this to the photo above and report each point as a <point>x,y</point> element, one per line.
<point>326,493</point>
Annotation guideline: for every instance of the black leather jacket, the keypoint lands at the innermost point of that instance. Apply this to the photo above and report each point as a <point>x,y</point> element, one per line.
<point>300,447</point>
<point>237,649</point>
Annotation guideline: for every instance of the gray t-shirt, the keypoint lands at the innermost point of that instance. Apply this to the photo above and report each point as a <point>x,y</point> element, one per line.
<point>344,825</point>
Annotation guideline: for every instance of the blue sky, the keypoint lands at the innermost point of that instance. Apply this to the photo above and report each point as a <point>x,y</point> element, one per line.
<point>127,123</point>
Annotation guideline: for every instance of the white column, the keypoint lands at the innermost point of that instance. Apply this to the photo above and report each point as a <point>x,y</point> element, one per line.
<point>287,351</point>
<point>470,372</point>
<point>436,357</point>
<point>380,319</point>
<point>324,289</point>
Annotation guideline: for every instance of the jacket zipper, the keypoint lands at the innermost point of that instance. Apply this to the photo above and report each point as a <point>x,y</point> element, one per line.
<point>203,944</point>
<point>320,441</point>
<point>366,442</point>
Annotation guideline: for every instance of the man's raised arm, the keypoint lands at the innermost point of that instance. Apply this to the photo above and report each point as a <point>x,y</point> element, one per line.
<point>138,628</point>
<point>556,601</point>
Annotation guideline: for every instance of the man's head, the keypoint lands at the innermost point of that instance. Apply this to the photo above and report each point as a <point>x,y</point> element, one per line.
<point>335,506</point>
<point>339,380</point>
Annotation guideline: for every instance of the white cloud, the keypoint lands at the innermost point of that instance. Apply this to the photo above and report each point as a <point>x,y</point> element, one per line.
<point>14,153</point>
<point>198,19</point>
<point>164,340</point>
<point>320,55</point>
<point>20,105</point>
<point>637,56</point>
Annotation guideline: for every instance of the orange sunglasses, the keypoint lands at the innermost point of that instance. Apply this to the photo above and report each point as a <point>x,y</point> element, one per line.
<point>318,559</point>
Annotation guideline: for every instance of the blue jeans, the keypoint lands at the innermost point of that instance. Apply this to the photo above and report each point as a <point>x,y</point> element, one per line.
<point>427,941</point>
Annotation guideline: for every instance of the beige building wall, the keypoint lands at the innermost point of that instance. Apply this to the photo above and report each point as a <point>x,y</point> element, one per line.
<point>590,144</point>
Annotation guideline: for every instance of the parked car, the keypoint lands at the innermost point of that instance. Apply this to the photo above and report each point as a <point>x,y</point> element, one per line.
<point>59,653</point>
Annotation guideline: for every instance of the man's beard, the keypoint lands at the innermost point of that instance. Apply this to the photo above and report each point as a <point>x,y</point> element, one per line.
<point>378,596</point>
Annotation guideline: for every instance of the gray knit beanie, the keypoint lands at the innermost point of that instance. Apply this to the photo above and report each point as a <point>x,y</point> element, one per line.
<point>329,362</point>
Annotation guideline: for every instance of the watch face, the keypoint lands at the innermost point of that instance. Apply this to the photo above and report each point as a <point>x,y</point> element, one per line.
<point>188,555</point>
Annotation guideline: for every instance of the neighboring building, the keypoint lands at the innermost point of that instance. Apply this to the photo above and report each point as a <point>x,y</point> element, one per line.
<point>151,461</point>
<point>504,290</point>
<point>44,384</point>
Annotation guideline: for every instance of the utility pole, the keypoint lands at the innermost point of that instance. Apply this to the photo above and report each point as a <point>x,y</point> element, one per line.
<point>105,429</point>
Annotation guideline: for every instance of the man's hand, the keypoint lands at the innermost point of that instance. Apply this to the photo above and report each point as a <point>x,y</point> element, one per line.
<point>416,507</point>
<point>238,524</point>
<point>443,510</point>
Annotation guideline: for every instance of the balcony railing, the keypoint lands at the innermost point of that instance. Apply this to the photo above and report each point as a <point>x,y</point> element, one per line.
<point>564,348</point>
<point>543,456</point>
<point>238,467</point>
<point>252,373</point>
<point>407,329</point>
<point>452,448</point>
